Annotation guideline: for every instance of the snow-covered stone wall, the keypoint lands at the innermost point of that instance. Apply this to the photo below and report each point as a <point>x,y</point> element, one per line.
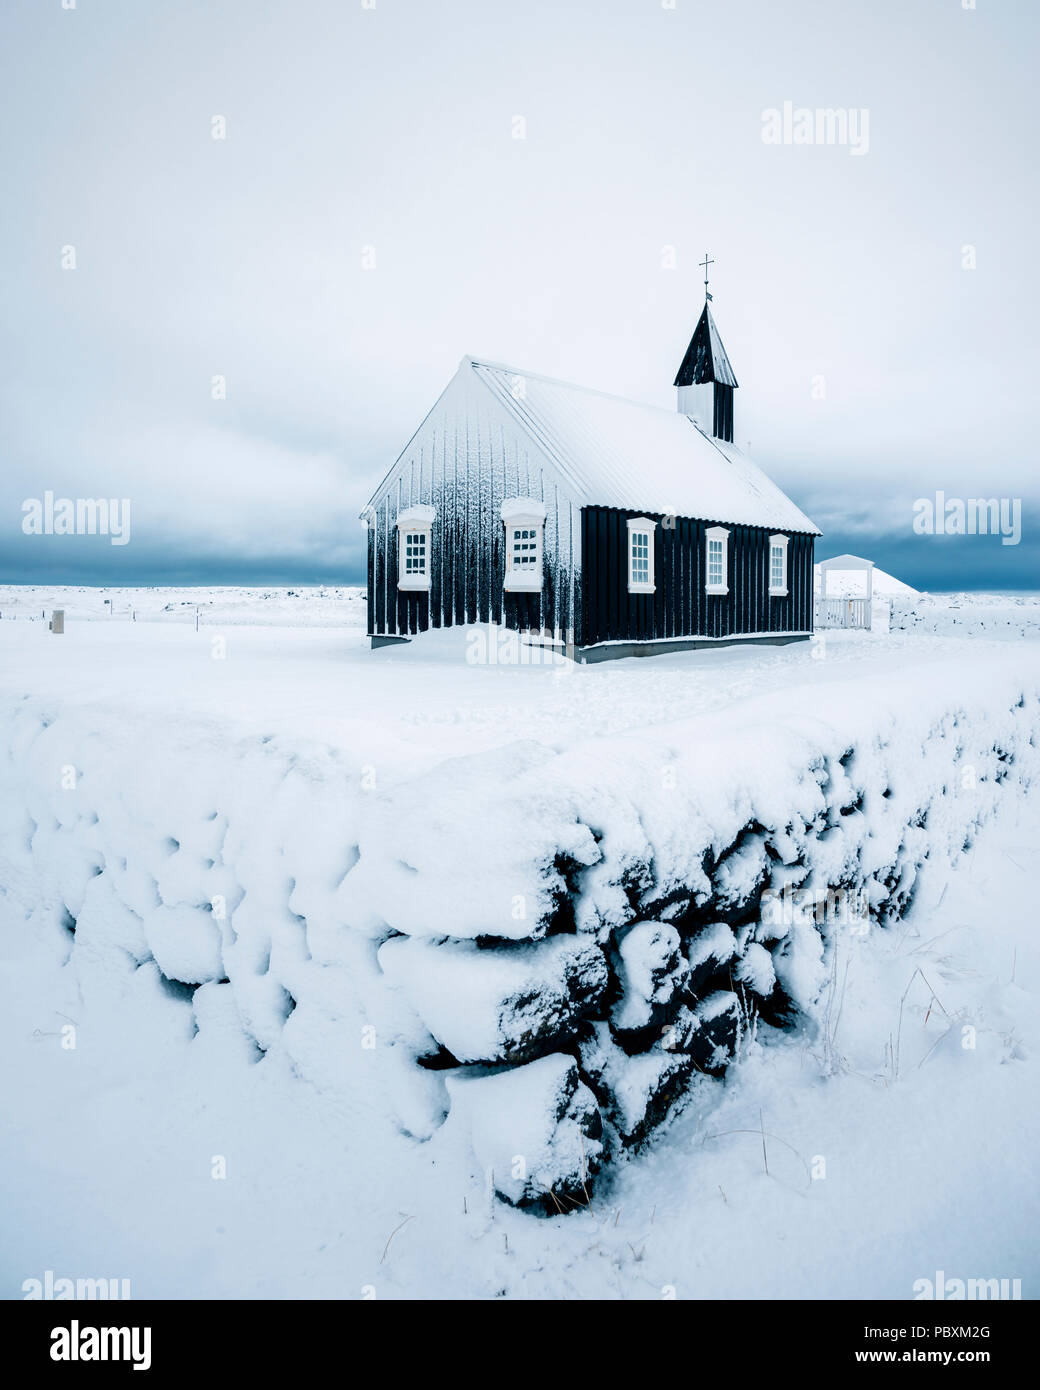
<point>539,948</point>
<point>1000,617</point>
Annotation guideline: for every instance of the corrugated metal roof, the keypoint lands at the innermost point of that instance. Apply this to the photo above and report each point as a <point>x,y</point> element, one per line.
<point>617,453</point>
<point>706,359</point>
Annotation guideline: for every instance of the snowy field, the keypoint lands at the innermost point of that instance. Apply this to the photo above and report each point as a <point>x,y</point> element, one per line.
<point>229,607</point>
<point>242,1113</point>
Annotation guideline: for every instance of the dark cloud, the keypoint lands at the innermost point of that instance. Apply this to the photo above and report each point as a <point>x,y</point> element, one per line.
<point>392,129</point>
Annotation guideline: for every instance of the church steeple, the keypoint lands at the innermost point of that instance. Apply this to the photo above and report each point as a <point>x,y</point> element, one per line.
<point>705,380</point>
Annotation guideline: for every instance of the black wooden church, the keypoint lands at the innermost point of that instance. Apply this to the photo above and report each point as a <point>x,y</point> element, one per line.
<point>604,526</point>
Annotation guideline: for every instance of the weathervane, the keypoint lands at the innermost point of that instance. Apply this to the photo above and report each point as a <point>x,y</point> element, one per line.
<point>705,263</point>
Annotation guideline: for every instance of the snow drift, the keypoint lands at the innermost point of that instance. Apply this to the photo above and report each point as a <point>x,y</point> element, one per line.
<point>545,945</point>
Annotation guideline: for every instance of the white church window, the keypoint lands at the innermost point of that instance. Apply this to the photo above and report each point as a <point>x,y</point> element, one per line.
<point>414,528</point>
<point>524,520</point>
<point>641,555</point>
<point>524,547</point>
<point>717,571</point>
<point>415,552</point>
<point>778,566</point>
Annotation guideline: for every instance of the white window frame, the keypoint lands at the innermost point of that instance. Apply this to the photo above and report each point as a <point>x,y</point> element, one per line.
<point>716,533</point>
<point>778,542</point>
<point>412,521</point>
<point>524,514</point>
<point>641,525</point>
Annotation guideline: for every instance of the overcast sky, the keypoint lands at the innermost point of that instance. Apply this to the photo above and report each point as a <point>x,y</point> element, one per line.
<point>389,132</point>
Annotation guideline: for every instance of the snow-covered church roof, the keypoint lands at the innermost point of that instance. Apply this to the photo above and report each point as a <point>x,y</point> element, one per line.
<point>617,453</point>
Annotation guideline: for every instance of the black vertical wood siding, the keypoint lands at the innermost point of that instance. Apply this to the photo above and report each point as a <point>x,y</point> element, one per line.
<point>679,607</point>
<point>723,412</point>
<point>464,463</point>
<point>466,459</point>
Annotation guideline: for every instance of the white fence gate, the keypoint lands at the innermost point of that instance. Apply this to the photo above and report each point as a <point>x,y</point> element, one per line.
<point>846,610</point>
<point>842,612</point>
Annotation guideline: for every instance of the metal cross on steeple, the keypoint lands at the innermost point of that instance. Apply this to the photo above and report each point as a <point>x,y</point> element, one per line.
<point>705,263</point>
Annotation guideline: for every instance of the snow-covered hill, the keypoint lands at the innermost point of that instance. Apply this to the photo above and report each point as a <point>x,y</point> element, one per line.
<point>853,583</point>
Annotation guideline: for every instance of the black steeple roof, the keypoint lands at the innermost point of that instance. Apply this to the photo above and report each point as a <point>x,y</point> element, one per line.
<point>705,358</point>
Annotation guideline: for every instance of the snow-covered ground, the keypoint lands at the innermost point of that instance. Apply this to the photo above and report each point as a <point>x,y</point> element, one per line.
<point>299,607</point>
<point>302,665</point>
<point>335,796</point>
